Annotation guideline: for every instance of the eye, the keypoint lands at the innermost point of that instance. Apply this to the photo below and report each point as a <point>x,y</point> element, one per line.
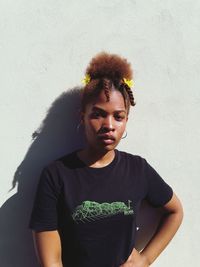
<point>95,114</point>
<point>119,117</point>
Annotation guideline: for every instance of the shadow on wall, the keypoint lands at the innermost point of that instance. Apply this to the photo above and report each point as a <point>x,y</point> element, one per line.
<point>57,136</point>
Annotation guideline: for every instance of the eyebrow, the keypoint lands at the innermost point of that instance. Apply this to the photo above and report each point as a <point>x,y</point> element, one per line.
<point>98,108</point>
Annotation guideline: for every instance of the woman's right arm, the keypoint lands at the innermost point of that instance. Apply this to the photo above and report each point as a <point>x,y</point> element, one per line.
<point>48,248</point>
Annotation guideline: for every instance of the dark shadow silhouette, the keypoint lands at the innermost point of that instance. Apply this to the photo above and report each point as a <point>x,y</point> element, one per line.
<point>56,136</point>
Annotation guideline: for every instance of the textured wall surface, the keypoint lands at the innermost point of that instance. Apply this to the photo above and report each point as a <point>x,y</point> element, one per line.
<point>44,49</point>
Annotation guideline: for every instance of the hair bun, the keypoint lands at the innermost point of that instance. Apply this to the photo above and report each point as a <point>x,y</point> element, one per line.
<point>111,66</point>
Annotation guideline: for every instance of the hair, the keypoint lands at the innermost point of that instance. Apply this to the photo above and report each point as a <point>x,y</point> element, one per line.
<point>106,73</point>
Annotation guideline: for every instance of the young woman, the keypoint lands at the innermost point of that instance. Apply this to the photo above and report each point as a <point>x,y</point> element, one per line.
<point>87,202</point>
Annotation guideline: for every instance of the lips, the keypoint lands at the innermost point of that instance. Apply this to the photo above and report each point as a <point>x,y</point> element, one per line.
<point>107,137</point>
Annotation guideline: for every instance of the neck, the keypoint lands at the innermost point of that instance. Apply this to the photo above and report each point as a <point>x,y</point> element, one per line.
<point>96,158</point>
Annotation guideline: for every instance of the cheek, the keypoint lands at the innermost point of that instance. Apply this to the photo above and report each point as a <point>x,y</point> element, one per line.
<point>121,126</point>
<point>121,130</point>
<point>92,126</point>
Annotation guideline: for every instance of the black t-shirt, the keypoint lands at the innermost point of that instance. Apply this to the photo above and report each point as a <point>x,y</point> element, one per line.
<point>94,209</point>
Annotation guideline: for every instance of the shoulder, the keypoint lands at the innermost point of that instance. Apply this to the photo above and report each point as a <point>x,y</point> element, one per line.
<point>67,160</point>
<point>134,158</point>
<point>133,162</point>
<point>56,169</point>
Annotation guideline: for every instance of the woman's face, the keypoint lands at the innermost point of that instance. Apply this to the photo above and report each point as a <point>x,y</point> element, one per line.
<point>105,122</point>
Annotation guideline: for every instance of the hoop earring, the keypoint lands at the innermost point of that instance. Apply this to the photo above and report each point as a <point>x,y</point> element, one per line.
<point>125,135</point>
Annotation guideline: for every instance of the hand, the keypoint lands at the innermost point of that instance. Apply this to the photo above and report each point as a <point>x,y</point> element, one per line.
<point>136,260</point>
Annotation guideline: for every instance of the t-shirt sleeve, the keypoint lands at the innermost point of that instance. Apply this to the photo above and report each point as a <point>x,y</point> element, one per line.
<point>159,192</point>
<point>44,216</point>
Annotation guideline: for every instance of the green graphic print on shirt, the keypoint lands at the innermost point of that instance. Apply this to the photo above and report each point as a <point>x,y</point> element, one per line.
<point>91,210</point>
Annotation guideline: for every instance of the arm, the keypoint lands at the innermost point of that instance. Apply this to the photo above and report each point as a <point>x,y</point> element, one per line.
<point>48,248</point>
<point>165,232</point>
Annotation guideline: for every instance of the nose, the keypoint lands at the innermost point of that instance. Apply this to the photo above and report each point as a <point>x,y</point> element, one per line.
<point>108,124</point>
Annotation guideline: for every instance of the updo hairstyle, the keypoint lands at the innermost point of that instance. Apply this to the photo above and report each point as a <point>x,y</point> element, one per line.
<point>106,72</point>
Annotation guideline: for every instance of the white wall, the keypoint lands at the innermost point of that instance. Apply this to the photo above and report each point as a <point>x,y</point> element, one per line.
<point>45,47</point>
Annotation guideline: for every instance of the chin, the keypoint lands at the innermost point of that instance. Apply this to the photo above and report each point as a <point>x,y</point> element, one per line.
<point>103,147</point>
<point>108,147</point>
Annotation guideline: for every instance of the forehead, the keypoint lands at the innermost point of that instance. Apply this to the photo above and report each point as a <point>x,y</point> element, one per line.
<point>116,101</point>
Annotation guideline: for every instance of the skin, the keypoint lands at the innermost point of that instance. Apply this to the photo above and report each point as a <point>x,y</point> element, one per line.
<point>48,248</point>
<point>100,118</point>
<point>161,238</point>
<point>110,118</point>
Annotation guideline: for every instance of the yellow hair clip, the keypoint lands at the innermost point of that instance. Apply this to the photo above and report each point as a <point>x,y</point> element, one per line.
<point>86,79</point>
<point>128,82</point>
